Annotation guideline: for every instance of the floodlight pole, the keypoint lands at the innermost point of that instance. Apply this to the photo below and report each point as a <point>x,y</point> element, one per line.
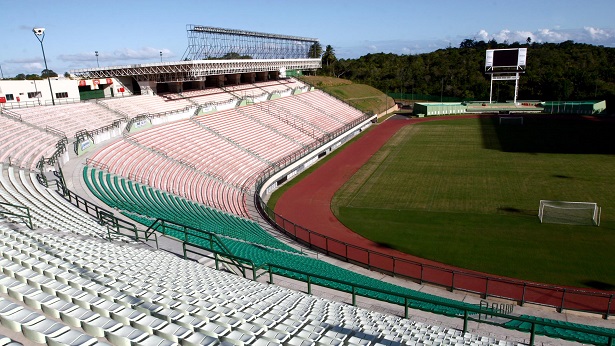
<point>491,89</point>
<point>40,36</point>
<point>516,87</point>
<point>96,53</point>
<point>160,56</point>
<point>442,90</point>
<point>2,75</point>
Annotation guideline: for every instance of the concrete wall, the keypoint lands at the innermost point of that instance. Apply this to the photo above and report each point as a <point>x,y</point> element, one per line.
<point>18,90</point>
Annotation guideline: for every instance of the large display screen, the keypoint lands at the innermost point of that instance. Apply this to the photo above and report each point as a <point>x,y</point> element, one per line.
<point>505,58</point>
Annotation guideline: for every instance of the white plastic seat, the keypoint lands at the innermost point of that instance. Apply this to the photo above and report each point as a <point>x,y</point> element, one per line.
<point>38,297</point>
<point>214,329</point>
<point>71,338</point>
<point>125,336</point>
<point>276,335</point>
<point>99,326</point>
<point>190,322</point>
<point>238,338</point>
<point>172,332</point>
<point>329,341</point>
<point>18,291</point>
<point>299,341</point>
<point>105,307</point>
<point>4,340</point>
<point>154,340</point>
<point>126,315</point>
<point>197,339</point>
<point>53,308</point>
<point>17,318</point>
<point>253,328</point>
<point>37,332</point>
<point>38,281</point>
<point>148,324</point>
<point>75,317</point>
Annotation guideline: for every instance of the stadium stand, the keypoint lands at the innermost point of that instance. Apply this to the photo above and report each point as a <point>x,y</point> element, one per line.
<point>269,143</point>
<point>69,118</point>
<point>48,210</point>
<point>23,145</point>
<point>230,146</point>
<point>274,87</point>
<point>244,238</point>
<point>210,95</point>
<point>145,104</point>
<point>144,200</point>
<point>75,290</point>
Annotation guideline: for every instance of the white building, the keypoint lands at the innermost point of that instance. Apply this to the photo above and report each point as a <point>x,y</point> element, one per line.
<point>30,93</point>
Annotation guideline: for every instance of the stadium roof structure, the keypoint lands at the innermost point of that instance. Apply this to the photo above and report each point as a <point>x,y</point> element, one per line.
<point>206,42</point>
<point>195,70</point>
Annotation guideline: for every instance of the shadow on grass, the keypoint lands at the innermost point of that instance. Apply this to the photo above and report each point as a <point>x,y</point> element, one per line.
<point>599,285</point>
<point>517,211</point>
<point>385,246</point>
<point>541,133</point>
<point>562,176</point>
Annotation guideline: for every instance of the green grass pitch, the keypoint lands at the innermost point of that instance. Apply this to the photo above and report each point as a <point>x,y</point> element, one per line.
<point>466,192</point>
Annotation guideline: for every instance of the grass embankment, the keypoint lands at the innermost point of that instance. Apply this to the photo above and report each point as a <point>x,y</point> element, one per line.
<point>466,192</point>
<point>363,97</point>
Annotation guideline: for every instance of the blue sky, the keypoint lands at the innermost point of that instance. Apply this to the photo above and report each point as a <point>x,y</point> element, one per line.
<point>131,32</point>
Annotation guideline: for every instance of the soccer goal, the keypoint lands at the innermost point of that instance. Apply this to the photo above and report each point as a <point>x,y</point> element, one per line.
<point>572,213</point>
<point>506,120</point>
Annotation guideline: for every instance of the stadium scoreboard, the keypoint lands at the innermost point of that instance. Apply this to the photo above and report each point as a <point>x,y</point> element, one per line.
<point>505,60</point>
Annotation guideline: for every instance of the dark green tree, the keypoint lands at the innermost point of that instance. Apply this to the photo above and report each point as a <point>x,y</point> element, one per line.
<point>555,71</point>
<point>48,73</point>
<point>315,50</point>
<point>234,56</point>
<point>328,57</point>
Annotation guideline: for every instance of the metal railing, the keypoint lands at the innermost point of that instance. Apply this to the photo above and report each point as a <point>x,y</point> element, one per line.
<point>562,298</point>
<point>105,218</point>
<point>26,216</point>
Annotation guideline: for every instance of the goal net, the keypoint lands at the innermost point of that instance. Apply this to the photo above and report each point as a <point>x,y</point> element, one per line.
<point>511,120</point>
<point>572,213</point>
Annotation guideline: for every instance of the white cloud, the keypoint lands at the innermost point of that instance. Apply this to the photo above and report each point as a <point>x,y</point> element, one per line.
<point>35,66</point>
<point>78,57</point>
<point>599,34</point>
<point>585,35</point>
<point>141,54</point>
<point>592,35</point>
<point>553,36</point>
<point>23,61</point>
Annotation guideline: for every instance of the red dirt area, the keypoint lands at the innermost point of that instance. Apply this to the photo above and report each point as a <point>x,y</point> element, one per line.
<point>307,206</point>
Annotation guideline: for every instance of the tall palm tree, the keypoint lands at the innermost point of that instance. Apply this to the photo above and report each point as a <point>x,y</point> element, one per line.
<point>315,50</point>
<point>329,56</point>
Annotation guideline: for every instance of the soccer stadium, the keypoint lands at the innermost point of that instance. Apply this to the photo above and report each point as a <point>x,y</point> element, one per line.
<point>133,211</point>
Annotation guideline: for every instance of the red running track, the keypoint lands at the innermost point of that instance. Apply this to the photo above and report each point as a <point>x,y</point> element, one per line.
<point>305,212</point>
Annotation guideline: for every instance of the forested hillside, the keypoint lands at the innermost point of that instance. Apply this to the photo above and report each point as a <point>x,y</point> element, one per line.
<point>555,71</point>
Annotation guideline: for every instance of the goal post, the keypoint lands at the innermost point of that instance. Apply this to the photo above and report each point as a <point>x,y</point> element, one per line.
<point>511,120</point>
<point>571,213</point>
